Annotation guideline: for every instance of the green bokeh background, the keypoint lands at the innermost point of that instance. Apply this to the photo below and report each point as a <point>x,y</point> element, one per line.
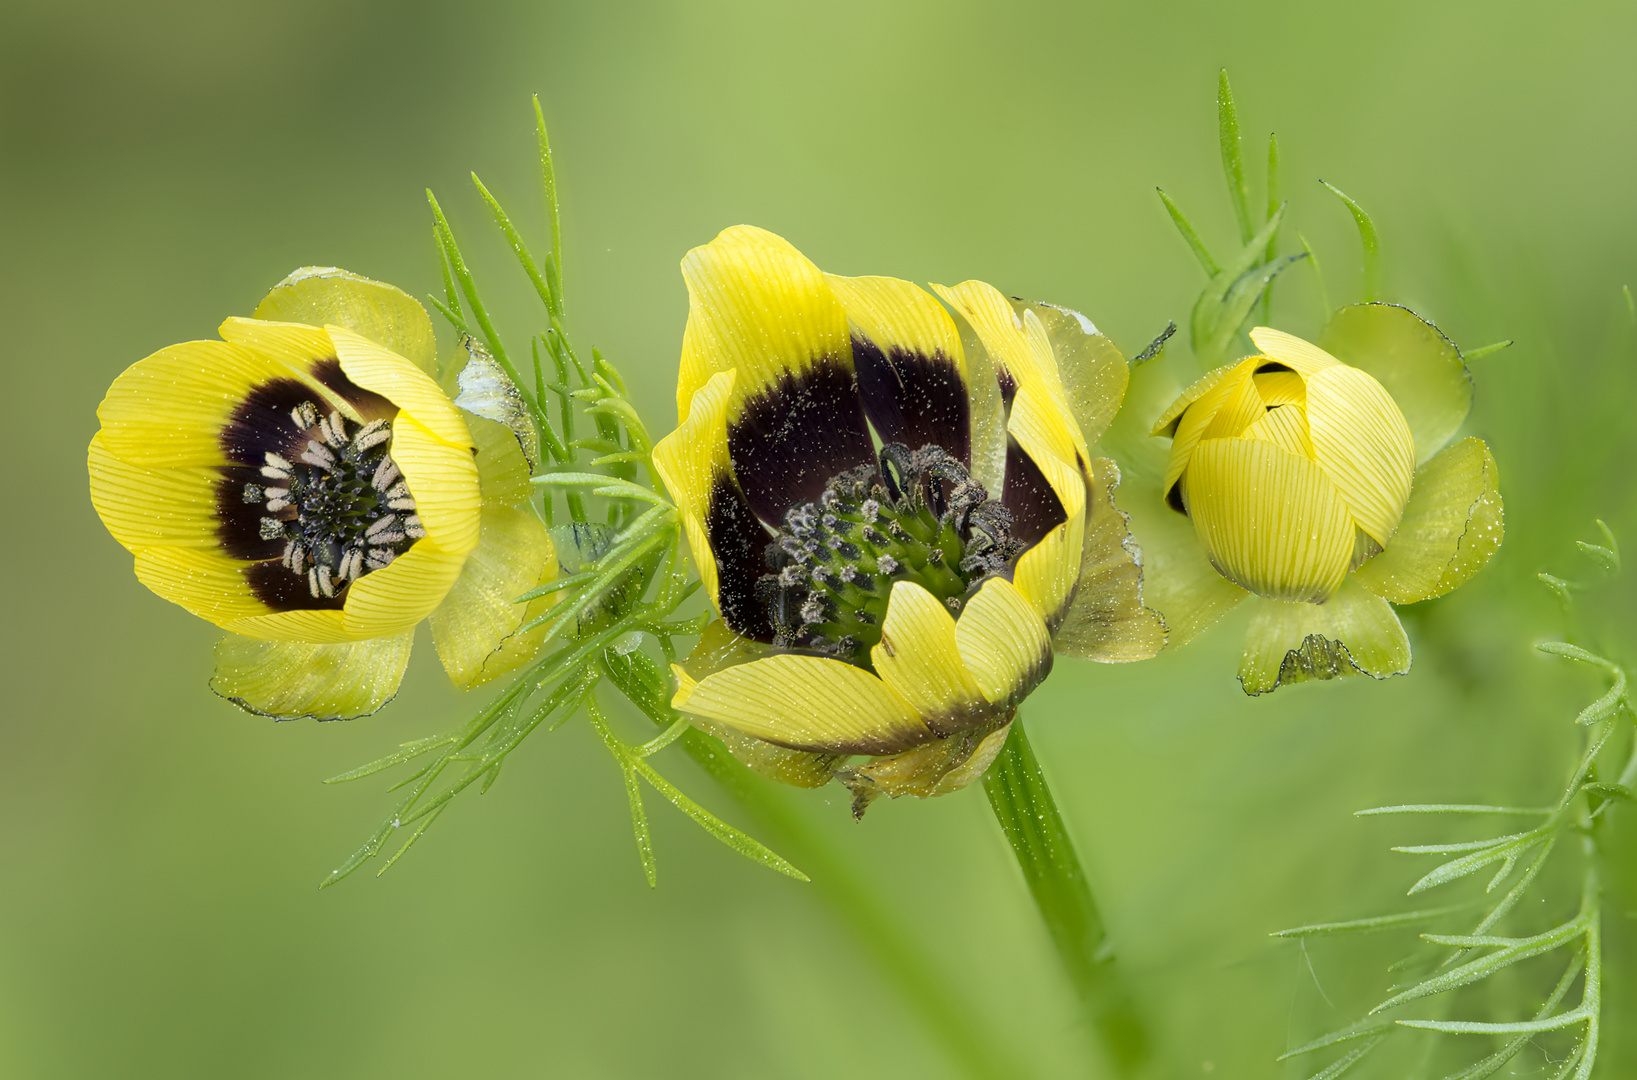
<point>162,165</point>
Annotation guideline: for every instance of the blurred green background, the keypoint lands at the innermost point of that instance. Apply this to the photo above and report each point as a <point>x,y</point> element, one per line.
<point>162,165</point>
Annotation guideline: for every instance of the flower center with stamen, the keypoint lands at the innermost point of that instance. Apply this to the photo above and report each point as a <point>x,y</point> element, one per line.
<point>338,500</point>
<point>916,516</point>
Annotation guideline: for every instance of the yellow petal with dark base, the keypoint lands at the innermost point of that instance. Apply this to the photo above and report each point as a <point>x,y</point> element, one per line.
<point>1361,442</point>
<point>1271,520</point>
<point>1003,642</point>
<point>287,679</point>
<point>1451,529</point>
<point>1108,621</point>
<point>919,659</point>
<point>385,314</point>
<point>475,628</point>
<point>806,703</point>
<point>386,373</point>
<point>1302,357</point>
<point>403,593</point>
<point>1354,633</point>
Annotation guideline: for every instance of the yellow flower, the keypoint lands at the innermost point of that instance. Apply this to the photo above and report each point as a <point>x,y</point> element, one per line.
<point>1327,490</point>
<point>875,598</point>
<point>307,485</point>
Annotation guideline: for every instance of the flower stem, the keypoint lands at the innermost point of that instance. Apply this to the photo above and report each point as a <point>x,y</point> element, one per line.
<point>1028,815</point>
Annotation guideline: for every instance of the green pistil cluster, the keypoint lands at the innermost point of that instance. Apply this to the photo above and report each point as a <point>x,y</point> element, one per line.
<point>916,517</point>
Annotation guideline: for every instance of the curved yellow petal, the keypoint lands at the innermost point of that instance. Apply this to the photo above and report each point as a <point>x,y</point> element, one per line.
<point>175,506</point>
<point>1353,633</point>
<point>692,460</point>
<point>806,703</point>
<point>444,481</point>
<point>403,593</point>
<point>1166,423</point>
<point>327,627</point>
<point>202,580</point>
<point>1281,388</point>
<point>299,350</point>
<point>388,316</point>
<point>1270,520</point>
<point>1285,426</point>
<point>169,408</point>
<point>1302,357</point>
<point>1420,367</point>
<point>1107,620</point>
<point>475,628</point>
<point>1361,442</point>
<point>386,373</point>
<point>757,305</point>
<point>1003,642</point>
<point>1093,372</point>
<point>895,313</point>
<point>1047,572</point>
<point>502,470</point>
<point>1227,390</point>
<point>1451,529</point>
<point>935,768</point>
<point>290,679</point>
<point>919,659</point>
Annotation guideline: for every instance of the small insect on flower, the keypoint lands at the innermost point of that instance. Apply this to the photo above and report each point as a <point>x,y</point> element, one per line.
<point>305,484</point>
<point>898,522</point>
<point>1299,473</point>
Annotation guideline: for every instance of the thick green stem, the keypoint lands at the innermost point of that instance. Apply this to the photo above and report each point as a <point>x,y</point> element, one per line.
<point>1028,815</point>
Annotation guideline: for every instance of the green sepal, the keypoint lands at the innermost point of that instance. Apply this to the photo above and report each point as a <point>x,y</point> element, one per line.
<point>1452,526</point>
<point>475,629</point>
<point>1107,620</point>
<point>388,316</point>
<point>1353,633</point>
<point>937,768</point>
<point>1093,371</point>
<point>1410,357</point>
<point>288,680</point>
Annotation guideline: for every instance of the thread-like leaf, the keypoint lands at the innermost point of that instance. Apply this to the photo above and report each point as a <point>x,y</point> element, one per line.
<point>1450,808</point>
<point>1485,966</point>
<point>1186,228</point>
<point>1371,282</point>
<point>1520,1027</point>
<point>1378,922</point>
<point>1344,1064</point>
<point>1233,164</point>
<point>1335,1038</point>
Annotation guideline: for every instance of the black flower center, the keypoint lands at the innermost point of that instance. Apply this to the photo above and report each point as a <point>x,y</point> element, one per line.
<point>915,516</point>
<point>335,499</point>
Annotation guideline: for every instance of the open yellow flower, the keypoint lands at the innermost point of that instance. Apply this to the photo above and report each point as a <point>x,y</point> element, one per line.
<point>307,485</point>
<point>1319,481</point>
<point>875,598</point>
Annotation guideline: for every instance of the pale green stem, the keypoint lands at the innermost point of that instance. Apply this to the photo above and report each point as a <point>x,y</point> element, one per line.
<point>1028,815</point>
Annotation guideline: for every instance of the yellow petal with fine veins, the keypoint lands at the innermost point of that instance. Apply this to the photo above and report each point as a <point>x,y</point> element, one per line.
<point>1228,387</point>
<point>1270,519</point>
<point>443,480</point>
<point>918,657</point>
<point>1363,445</point>
<point>1003,642</point>
<point>402,383</point>
<point>691,461</point>
<point>402,593</point>
<point>1302,357</point>
<point>289,679</point>
<point>806,703</point>
<point>202,580</point>
<point>140,506</point>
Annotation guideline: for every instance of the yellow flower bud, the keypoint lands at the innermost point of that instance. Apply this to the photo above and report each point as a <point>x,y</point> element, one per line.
<point>1293,466</point>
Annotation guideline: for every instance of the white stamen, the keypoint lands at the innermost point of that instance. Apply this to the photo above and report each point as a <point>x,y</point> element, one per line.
<point>299,559</point>
<point>374,433</point>
<point>335,432</point>
<point>271,528</point>
<point>305,415</point>
<point>318,455</point>
<point>385,474</point>
<point>325,581</point>
<point>278,502</point>
<point>381,557</point>
<point>413,527</point>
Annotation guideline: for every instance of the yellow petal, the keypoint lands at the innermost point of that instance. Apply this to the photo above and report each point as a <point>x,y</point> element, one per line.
<point>1167,422</point>
<point>1281,388</point>
<point>286,679</point>
<point>1284,426</point>
<point>1452,527</point>
<point>475,628</point>
<point>170,408</point>
<point>1361,442</point>
<point>398,596</point>
<point>1420,367</point>
<point>1107,620</point>
<point>299,350</point>
<point>502,471</point>
<point>202,580</point>
<point>1046,573</point>
<point>898,314</point>
<point>1270,520</point>
<point>919,659</point>
<point>443,479</point>
<point>1228,389</point>
<point>140,506</point>
<point>806,703</point>
<point>327,627</point>
<point>1093,371</point>
<point>1354,633</point>
<point>1303,357</point>
<point>1003,642</point>
<point>402,383</point>
<point>388,316</point>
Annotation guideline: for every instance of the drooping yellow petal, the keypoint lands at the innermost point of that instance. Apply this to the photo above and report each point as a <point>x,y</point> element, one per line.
<point>807,703</point>
<point>290,679</point>
<point>326,627</point>
<point>385,314</point>
<point>1046,573</point>
<point>405,385</point>
<point>202,580</point>
<point>758,305</point>
<point>1270,519</point>
<point>1302,357</point>
<point>1003,642</point>
<point>692,460</point>
<point>1166,423</point>
<point>919,659</point>
<point>1228,388</point>
<point>929,770</point>
<point>444,481</point>
<point>1361,442</point>
<point>1093,372</point>
<point>475,628</point>
<point>1353,633</point>
<point>403,593</point>
<point>1107,620</point>
<point>175,506</point>
<point>1452,527</point>
<point>1420,367</point>
<point>169,409</point>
